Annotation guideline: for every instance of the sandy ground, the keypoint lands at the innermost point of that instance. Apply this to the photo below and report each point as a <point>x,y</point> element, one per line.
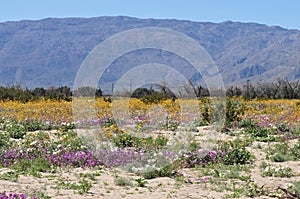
<point>104,185</point>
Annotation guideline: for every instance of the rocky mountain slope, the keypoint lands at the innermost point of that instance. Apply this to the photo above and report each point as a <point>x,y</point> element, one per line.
<point>49,51</point>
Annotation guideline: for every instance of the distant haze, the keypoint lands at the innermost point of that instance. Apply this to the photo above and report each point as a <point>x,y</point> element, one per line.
<point>49,52</point>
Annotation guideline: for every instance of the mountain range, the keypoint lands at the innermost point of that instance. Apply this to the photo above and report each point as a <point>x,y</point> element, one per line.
<point>49,52</point>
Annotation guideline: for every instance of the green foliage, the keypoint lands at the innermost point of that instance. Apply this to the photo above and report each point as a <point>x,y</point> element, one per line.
<point>83,186</point>
<point>4,140</point>
<point>141,182</point>
<point>280,157</point>
<point>205,110</point>
<point>119,181</point>
<point>246,123</point>
<point>236,153</point>
<point>258,133</point>
<point>276,90</point>
<point>272,171</point>
<point>282,152</point>
<point>141,92</point>
<point>34,125</point>
<point>10,175</point>
<point>124,140</point>
<point>165,171</point>
<point>71,141</point>
<point>91,176</point>
<point>261,134</point>
<point>251,189</point>
<point>16,130</point>
<point>153,98</point>
<point>234,110</point>
<point>43,195</point>
<point>67,127</point>
<point>294,132</point>
<point>295,189</point>
<point>150,96</point>
<point>161,141</point>
<point>34,167</point>
<point>224,171</point>
<point>16,92</point>
<point>193,146</point>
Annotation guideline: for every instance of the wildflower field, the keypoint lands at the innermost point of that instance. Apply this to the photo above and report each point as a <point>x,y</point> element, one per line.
<point>130,148</point>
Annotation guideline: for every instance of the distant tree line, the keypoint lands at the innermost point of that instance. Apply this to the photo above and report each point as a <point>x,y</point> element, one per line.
<point>16,92</point>
<point>151,95</point>
<point>281,89</point>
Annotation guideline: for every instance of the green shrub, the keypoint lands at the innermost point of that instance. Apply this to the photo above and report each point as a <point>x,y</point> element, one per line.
<point>4,140</point>
<point>238,155</point>
<point>235,152</point>
<point>271,170</point>
<point>141,182</point>
<point>166,171</point>
<point>16,130</point>
<point>280,157</point>
<point>123,182</point>
<point>124,140</point>
<point>295,189</point>
<point>246,123</point>
<point>10,175</point>
<point>83,186</point>
<point>282,152</point>
<point>33,125</point>
<point>205,110</point>
<point>235,108</point>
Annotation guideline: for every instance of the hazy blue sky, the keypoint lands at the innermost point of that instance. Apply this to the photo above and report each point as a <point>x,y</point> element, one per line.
<point>272,12</point>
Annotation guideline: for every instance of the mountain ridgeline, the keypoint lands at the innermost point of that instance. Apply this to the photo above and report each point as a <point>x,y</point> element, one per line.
<point>49,52</point>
